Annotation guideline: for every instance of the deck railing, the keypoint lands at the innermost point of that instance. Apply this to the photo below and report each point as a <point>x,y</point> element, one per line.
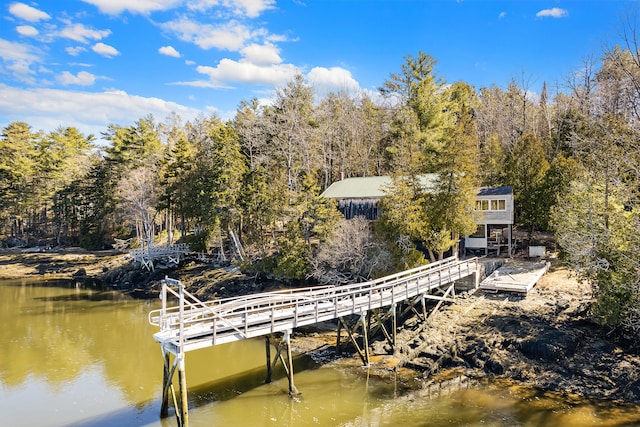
<point>172,253</point>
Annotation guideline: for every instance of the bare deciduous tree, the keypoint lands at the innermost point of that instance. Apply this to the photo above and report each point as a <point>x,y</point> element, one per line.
<point>138,193</point>
<point>351,254</point>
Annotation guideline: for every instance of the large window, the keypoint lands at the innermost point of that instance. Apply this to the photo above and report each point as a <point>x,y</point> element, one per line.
<point>491,205</point>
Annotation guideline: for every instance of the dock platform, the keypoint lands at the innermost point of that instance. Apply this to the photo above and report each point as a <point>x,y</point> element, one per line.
<point>515,276</point>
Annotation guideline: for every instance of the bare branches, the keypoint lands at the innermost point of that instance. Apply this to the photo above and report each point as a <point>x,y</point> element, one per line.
<point>350,255</point>
<point>138,190</point>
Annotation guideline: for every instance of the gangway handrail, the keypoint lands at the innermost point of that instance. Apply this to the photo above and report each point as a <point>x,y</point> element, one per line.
<point>247,300</point>
<point>194,306</point>
<point>242,317</point>
<point>339,291</point>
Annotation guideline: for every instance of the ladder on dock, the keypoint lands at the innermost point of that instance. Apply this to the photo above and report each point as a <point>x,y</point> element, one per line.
<point>192,324</point>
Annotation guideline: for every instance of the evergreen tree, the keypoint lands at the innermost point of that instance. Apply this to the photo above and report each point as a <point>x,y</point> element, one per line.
<point>311,215</point>
<point>421,117</point>
<point>175,178</point>
<point>433,133</point>
<point>526,166</point>
<point>452,198</point>
<point>17,152</point>
<point>216,179</point>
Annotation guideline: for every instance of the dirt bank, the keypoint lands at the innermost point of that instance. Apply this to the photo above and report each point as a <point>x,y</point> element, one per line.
<point>115,270</point>
<point>58,264</point>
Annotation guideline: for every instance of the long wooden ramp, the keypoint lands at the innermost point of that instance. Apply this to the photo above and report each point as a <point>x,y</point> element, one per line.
<point>190,324</point>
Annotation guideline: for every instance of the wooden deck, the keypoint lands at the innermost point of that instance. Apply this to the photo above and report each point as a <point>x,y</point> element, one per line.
<point>515,276</point>
<point>192,324</point>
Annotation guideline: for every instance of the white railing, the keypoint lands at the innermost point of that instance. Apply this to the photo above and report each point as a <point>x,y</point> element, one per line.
<point>193,324</point>
<point>172,253</point>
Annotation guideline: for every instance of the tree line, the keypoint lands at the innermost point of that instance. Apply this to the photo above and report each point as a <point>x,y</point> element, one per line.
<point>570,152</point>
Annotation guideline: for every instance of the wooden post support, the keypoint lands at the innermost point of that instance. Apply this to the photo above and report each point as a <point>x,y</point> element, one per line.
<point>338,347</point>
<point>394,326</point>
<point>365,338</point>
<point>166,380</point>
<point>380,325</point>
<point>267,343</point>
<point>184,404</point>
<point>293,391</point>
<point>182,378</point>
<point>352,337</point>
<point>441,300</point>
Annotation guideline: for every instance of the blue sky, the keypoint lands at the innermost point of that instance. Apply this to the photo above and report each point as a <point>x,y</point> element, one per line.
<point>89,63</point>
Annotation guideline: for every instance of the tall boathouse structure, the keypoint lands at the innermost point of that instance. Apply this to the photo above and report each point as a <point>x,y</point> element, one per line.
<point>494,207</point>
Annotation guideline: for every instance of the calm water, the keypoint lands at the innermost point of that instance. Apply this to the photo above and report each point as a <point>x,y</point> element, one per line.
<point>84,357</point>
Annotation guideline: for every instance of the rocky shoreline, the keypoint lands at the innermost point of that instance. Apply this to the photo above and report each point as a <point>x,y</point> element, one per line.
<point>544,339</point>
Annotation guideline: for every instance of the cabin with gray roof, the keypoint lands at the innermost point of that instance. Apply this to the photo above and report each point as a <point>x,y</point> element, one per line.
<point>494,205</point>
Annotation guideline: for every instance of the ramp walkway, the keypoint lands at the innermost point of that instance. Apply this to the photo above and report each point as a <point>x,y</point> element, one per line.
<point>193,324</point>
<point>188,324</point>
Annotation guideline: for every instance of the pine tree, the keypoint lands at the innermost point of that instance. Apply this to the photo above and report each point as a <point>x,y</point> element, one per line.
<point>17,152</point>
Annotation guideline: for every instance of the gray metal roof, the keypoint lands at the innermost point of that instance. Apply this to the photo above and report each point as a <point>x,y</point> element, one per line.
<point>373,187</point>
<point>505,190</point>
<point>368,187</point>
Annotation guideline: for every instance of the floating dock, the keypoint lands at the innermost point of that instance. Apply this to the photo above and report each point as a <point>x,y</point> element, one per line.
<point>515,276</point>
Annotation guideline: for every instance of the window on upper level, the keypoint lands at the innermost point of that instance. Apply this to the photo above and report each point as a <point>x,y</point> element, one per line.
<point>491,205</point>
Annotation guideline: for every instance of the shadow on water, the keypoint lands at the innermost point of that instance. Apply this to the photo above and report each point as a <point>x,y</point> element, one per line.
<point>86,296</point>
<point>47,283</point>
<point>229,387</point>
<point>129,416</point>
<point>81,290</point>
<point>201,395</point>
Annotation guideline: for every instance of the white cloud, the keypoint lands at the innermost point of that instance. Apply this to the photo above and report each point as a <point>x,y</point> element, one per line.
<point>75,50</point>
<point>249,8</point>
<point>46,109</point>
<point>261,54</point>
<point>332,79</point>
<point>27,30</point>
<point>556,12</point>
<point>115,7</point>
<point>105,50</point>
<point>253,8</point>
<point>28,13</point>
<point>82,34</point>
<point>18,58</point>
<point>169,51</point>
<point>229,71</point>
<point>230,36</point>
<point>81,79</point>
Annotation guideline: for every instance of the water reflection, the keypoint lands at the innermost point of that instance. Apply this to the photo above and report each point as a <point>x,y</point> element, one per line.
<point>58,331</point>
